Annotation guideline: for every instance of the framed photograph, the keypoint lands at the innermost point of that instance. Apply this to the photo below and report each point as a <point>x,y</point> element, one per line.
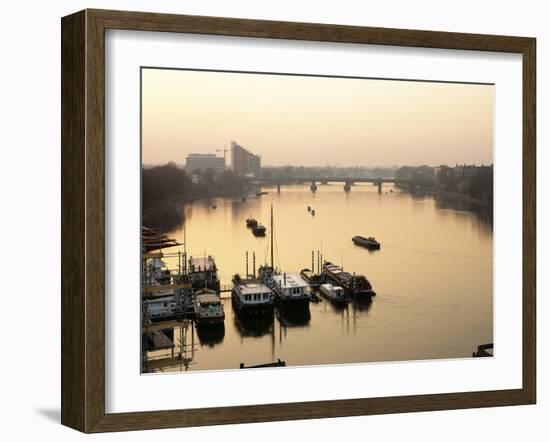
<point>269,220</point>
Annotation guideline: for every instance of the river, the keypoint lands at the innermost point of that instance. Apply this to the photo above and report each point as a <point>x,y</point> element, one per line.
<point>433,276</point>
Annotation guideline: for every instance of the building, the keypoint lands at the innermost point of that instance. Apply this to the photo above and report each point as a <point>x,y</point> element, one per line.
<point>244,162</point>
<point>204,161</point>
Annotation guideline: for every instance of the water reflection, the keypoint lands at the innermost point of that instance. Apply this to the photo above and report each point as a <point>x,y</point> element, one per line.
<point>211,335</point>
<point>432,276</point>
<point>253,326</point>
<point>291,318</point>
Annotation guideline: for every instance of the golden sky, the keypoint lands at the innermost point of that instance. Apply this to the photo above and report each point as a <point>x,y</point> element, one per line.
<point>315,120</point>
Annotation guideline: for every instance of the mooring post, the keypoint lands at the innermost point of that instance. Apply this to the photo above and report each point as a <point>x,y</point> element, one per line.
<point>247,264</point>
<point>379,186</point>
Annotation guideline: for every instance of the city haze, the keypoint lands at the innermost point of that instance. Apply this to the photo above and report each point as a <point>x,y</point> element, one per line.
<point>315,121</point>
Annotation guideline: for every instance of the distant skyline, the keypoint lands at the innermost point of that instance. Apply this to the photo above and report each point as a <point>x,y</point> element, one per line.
<point>315,121</point>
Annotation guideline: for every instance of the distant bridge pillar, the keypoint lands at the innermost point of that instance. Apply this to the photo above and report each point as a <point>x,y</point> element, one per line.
<point>313,186</point>
<point>347,186</point>
<point>379,186</point>
<point>278,187</point>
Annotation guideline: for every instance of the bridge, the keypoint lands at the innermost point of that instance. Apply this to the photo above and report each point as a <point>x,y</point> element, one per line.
<point>348,182</point>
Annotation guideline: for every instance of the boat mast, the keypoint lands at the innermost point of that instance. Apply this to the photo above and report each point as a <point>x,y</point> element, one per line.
<point>272,267</point>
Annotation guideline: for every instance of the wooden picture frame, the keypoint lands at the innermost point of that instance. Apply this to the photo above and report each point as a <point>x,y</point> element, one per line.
<point>83,218</point>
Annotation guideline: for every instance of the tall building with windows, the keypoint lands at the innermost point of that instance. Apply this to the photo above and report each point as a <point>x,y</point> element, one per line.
<point>244,162</point>
<point>203,162</point>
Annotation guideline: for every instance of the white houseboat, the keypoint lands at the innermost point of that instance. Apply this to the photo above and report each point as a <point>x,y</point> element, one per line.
<point>290,290</point>
<point>208,307</point>
<point>251,296</point>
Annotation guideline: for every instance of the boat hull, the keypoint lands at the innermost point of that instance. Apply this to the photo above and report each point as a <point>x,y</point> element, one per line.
<point>366,244</point>
<point>252,309</point>
<point>293,304</point>
<point>332,298</point>
<point>349,288</point>
<point>209,320</point>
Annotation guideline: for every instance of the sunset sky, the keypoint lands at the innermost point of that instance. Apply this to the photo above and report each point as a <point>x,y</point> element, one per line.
<point>315,121</point>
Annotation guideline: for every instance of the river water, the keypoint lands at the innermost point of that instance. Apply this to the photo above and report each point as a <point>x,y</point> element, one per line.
<point>432,276</point>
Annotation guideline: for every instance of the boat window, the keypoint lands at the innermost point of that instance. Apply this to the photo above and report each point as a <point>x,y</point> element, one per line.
<point>247,297</point>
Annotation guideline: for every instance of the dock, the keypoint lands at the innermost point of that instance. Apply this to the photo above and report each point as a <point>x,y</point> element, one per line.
<point>484,351</point>
<point>159,340</point>
<point>277,363</point>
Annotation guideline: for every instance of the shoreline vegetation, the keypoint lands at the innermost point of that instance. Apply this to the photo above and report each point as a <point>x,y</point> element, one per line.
<point>166,189</point>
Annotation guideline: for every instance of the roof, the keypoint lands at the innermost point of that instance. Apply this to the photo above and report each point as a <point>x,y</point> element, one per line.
<point>252,288</point>
<point>292,280</point>
<point>207,297</point>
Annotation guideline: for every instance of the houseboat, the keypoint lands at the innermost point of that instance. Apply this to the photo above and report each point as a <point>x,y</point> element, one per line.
<point>368,242</point>
<point>332,292</point>
<point>208,308</point>
<point>251,296</point>
<point>290,290</point>
<point>351,283</point>
<point>160,309</point>
<point>203,273</point>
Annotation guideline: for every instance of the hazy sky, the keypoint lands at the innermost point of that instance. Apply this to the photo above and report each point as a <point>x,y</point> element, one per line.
<point>314,120</point>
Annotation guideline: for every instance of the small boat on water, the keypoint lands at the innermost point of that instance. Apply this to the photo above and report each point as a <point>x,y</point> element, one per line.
<point>312,212</point>
<point>214,206</point>
<point>277,363</point>
<point>351,283</point>
<point>310,277</point>
<point>204,273</point>
<point>261,193</point>
<point>309,208</point>
<point>208,308</point>
<point>251,222</point>
<point>369,242</point>
<point>333,292</point>
<point>259,230</point>
<point>251,296</point>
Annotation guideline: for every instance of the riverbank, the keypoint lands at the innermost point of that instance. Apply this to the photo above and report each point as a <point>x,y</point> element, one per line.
<point>461,197</point>
<point>169,212</point>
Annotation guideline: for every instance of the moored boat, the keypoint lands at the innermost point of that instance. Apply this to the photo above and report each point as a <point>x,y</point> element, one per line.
<point>203,273</point>
<point>251,296</point>
<point>159,309</point>
<point>351,283</point>
<point>251,222</point>
<point>333,292</point>
<point>290,290</point>
<point>369,242</point>
<point>208,308</point>
<point>259,230</point>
